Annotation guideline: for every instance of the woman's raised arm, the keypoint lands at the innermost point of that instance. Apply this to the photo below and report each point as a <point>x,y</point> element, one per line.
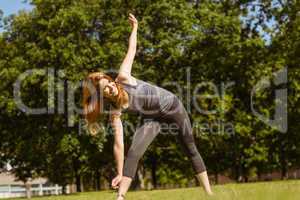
<point>125,68</point>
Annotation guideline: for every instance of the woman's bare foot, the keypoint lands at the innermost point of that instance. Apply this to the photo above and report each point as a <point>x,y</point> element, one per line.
<point>120,197</point>
<point>203,179</point>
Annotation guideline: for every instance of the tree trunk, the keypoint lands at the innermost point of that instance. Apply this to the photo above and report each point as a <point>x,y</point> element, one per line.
<point>237,160</point>
<point>78,183</point>
<point>98,180</point>
<point>64,189</point>
<point>216,177</point>
<point>153,172</point>
<point>283,159</point>
<point>141,178</point>
<point>258,175</point>
<point>238,171</point>
<point>28,190</point>
<point>284,175</point>
<point>245,174</point>
<point>197,182</point>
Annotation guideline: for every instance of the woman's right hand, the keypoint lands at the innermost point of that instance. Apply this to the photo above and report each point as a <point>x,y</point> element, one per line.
<point>116,181</point>
<point>133,21</point>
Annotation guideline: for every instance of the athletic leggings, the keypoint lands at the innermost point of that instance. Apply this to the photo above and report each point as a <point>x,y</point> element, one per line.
<point>145,134</point>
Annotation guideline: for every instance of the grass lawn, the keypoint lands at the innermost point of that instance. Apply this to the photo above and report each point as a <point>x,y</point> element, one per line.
<point>281,190</point>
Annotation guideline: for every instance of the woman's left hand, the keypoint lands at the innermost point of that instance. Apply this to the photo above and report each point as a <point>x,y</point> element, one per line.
<point>116,181</point>
<point>133,21</point>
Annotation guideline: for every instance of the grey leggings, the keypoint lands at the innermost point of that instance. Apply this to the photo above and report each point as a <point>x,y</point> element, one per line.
<point>145,134</point>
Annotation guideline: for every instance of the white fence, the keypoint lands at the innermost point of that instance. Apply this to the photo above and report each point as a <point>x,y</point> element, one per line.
<point>11,191</point>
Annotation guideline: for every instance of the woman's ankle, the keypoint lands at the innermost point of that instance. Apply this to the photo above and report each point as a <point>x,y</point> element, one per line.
<point>120,197</point>
<point>204,181</point>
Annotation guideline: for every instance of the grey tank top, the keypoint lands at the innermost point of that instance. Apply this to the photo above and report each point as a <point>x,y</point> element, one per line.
<point>148,99</point>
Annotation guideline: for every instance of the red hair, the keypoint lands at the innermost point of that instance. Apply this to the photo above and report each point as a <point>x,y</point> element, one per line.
<point>92,97</point>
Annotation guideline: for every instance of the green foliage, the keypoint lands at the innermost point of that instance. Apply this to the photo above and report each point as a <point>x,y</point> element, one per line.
<point>208,38</point>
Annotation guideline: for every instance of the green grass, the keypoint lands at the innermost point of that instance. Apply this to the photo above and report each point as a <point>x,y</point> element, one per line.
<point>281,190</point>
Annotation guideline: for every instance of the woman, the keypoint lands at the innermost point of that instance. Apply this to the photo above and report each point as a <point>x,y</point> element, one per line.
<point>155,104</point>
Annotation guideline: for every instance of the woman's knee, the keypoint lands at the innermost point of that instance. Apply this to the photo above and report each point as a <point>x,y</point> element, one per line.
<point>131,163</point>
<point>134,154</point>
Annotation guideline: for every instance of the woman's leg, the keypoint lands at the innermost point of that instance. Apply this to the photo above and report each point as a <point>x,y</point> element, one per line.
<point>143,137</point>
<point>203,179</point>
<point>187,141</point>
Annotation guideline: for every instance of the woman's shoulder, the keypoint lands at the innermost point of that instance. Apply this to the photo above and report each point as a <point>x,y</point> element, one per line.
<point>126,79</point>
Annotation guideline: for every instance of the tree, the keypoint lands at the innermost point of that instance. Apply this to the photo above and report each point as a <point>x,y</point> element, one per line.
<point>220,42</point>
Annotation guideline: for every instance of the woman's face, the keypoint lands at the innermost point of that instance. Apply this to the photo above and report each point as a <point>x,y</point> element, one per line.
<point>108,87</point>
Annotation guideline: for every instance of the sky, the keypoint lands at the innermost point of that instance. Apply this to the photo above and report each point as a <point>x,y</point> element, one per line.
<point>13,6</point>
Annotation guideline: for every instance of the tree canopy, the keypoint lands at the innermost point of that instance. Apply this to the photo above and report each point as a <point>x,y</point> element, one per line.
<point>219,43</point>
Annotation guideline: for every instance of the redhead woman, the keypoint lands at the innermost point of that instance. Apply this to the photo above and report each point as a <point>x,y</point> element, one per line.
<point>156,105</point>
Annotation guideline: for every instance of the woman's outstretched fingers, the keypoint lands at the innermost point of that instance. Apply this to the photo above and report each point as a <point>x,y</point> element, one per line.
<point>132,20</point>
<point>131,15</point>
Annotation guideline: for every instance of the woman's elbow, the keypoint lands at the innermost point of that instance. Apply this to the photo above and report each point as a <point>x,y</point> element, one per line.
<point>118,147</point>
